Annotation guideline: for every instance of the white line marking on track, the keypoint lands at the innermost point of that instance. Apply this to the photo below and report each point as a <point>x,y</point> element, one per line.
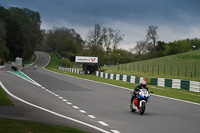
<point>60,97</point>
<point>82,111</point>
<point>56,95</point>
<point>54,113</point>
<point>64,100</point>
<point>69,103</point>
<point>75,107</point>
<point>115,131</point>
<point>43,88</point>
<point>103,123</point>
<point>91,116</point>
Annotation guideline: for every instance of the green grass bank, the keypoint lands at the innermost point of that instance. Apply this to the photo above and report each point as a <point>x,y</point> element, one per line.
<point>172,67</point>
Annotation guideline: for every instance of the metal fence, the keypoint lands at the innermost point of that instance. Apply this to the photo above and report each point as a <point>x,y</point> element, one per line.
<point>182,71</point>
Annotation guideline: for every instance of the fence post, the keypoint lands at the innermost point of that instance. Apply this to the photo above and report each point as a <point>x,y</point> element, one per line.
<point>164,69</point>
<point>134,67</point>
<point>158,68</point>
<point>178,71</point>
<point>185,71</point>
<point>138,68</point>
<point>195,70</point>
<point>152,69</point>
<point>142,68</point>
<point>147,68</point>
<point>171,70</point>
<point>129,67</point>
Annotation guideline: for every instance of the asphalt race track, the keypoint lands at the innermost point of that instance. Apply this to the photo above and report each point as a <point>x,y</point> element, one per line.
<point>92,105</point>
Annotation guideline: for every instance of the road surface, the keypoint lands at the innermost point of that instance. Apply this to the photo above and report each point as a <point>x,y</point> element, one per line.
<point>103,106</point>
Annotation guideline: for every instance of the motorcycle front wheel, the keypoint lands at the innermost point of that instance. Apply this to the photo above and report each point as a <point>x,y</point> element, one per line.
<point>142,108</point>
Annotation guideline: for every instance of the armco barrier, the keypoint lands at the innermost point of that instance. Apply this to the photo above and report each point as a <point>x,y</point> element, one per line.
<point>161,82</point>
<point>154,81</point>
<point>125,78</point>
<point>70,70</point>
<point>185,85</point>
<point>132,79</point>
<point>168,83</point>
<point>128,79</point>
<point>177,83</point>
<point>172,83</point>
<point>195,86</point>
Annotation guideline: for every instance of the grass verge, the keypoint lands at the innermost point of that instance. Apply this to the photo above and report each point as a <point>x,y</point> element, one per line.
<point>162,91</point>
<point>16,126</point>
<point>28,62</point>
<point>4,99</point>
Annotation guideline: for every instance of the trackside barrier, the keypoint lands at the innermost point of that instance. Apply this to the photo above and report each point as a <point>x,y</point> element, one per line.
<point>125,78</point>
<point>177,83</point>
<point>161,82</point>
<point>70,70</point>
<point>172,83</point>
<point>195,86</point>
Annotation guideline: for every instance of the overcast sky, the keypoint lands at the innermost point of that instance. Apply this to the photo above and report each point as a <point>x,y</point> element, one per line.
<point>175,19</point>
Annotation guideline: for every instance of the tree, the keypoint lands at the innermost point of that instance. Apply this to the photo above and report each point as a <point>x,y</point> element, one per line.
<point>2,34</point>
<point>23,32</point>
<point>152,38</point>
<point>28,22</point>
<point>4,52</point>
<point>65,41</point>
<point>171,49</point>
<point>160,47</point>
<point>94,37</point>
<point>118,37</point>
<point>140,47</point>
<point>104,37</point>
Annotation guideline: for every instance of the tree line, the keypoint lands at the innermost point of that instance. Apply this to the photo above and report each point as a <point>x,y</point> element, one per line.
<point>101,41</point>
<point>152,47</point>
<point>19,32</point>
<point>20,35</point>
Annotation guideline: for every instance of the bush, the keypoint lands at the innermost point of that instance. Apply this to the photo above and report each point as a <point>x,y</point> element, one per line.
<point>66,63</point>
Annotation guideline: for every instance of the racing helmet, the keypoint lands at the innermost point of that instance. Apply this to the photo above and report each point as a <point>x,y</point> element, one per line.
<point>143,83</point>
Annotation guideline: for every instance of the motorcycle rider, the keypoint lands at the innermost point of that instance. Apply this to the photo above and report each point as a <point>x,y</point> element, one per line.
<point>142,85</point>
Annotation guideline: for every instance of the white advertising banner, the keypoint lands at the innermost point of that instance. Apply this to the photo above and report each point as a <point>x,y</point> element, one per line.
<point>86,59</point>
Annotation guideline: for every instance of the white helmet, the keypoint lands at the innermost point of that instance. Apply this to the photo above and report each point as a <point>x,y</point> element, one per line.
<point>143,83</point>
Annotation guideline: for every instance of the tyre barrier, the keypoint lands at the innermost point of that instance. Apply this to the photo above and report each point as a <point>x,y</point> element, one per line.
<point>177,83</point>
<point>125,78</point>
<point>70,70</point>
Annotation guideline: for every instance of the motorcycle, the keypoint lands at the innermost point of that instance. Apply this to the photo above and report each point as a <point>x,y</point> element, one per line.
<point>140,100</point>
<point>35,67</point>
